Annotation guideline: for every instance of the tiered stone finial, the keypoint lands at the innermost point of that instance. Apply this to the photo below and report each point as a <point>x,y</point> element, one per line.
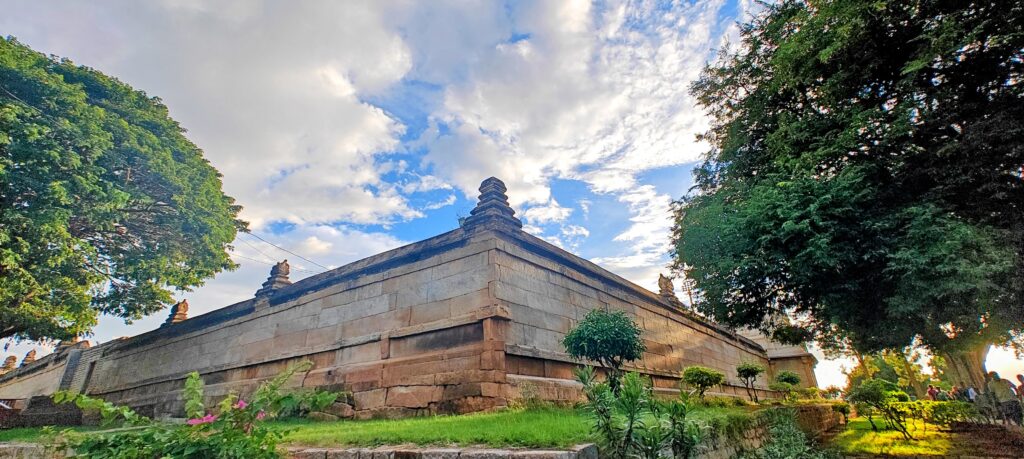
<point>278,279</point>
<point>10,363</point>
<point>178,313</point>
<point>68,342</point>
<point>493,205</point>
<point>29,358</point>
<point>667,291</point>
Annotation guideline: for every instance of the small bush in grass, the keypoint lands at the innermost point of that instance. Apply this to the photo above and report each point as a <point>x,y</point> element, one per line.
<point>632,423</point>
<point>300,403</point>
<point>608,338</point>
<point>883,397</point>
<point>748,373</point>
<point>702,379</point>
<point>843,409</point>
<point>785,439</point>
<point>232,430</point>
<point>788,377</point>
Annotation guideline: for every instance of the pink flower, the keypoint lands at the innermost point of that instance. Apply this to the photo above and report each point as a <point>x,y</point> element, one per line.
<point>260,415</point>
<point>203,420</point>
<point>241,404</point>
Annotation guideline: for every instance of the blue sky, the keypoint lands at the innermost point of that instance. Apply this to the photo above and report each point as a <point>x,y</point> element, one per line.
<point>349,128</point>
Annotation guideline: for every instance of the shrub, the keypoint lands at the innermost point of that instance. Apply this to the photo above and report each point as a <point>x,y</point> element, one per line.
<point>748,373</point>
<point>300,404</point>
<point>784,387</point>
<point>702,378</point>
<point>785,439</point>
<point>632,423</point>
<point>810,393</point>
<point>788,377</point>
<point>231,430</point>
<point>883,396</point>
<point>843,409</point>
<point>608,338</point>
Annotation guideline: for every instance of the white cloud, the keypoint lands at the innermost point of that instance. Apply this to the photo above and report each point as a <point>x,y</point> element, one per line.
<point>549,212</point>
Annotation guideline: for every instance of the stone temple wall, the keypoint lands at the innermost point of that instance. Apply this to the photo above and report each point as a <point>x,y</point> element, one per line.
<point>460,322</point>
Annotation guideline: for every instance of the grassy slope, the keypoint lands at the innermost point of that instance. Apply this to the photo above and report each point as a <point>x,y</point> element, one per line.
<point>858,438</point>
<point>536,428</point>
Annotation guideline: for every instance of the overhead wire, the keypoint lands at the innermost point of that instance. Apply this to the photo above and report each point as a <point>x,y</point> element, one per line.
<point>286,250</point>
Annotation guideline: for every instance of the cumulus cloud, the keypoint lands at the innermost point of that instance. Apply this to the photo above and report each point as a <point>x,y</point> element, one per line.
<point>300,106</point>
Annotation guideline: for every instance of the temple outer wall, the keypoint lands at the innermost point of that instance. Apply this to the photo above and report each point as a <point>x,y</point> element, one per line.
<point>547,296</point>
<point>453,324</point>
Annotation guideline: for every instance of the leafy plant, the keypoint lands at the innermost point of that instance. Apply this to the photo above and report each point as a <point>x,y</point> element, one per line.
<point>843,409</point>
<point>193,395</point>
<point>632,423</point>
<point>702,378</point>
<point>785,440</point>
<point>300,403</point>
<point>231,431</point>
<point>609,338</point>
<point>884,397</point>
<point>748,373</point>
<point>788,377</point>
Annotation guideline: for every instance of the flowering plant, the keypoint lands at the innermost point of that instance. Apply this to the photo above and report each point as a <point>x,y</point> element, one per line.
<point>232,429</point>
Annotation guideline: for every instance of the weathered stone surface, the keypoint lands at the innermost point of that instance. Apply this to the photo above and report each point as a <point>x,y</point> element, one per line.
<point>341,410</point>
<point>413,396</point>
<point>309,453</point>
<point>485,454</point>
<point>370,399</point>
<point>322,417</point>
<point>440,453</point>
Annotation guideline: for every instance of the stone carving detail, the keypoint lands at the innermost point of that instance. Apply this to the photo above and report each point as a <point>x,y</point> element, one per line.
<point>29,358</point>
<point>493,205</point>
<point>278,279</point>
<point>10,363</point>
<point>179,313</point>
<point>667,291</point>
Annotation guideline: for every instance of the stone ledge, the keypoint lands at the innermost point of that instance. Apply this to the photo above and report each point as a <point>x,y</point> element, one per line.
<point>587,451</point>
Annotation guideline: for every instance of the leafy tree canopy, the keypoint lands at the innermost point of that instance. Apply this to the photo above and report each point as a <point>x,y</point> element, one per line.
<point>702,378</point>
<point>865,175</point>
<point>609,338</point>
<point>105,206</point>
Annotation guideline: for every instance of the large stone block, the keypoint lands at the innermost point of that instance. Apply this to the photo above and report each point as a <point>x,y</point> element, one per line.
<point>371,399</point>
<point>413,396</point>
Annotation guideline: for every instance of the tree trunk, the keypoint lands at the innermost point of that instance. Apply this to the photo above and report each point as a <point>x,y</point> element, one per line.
<point>915,383</point>
<point>967,367</point>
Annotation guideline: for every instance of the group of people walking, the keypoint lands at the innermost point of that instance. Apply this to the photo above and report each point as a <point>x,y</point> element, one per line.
<point>1001,398</point>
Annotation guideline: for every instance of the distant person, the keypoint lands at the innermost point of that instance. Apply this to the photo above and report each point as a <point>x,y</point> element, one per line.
<point>942,396</point>
<point>932,392</point>
<point>1005,394</point>
<point>972,394</point>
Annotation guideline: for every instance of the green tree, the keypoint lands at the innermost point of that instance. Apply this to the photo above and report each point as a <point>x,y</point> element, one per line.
<point>105,206</point>
<point>748,373</point>
<point>608,338</point>
<point>787,377</point>
<point>702,378</point>
<point>865,174</point>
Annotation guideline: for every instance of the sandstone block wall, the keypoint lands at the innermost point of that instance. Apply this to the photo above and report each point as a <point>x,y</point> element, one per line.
<point>460,322</point>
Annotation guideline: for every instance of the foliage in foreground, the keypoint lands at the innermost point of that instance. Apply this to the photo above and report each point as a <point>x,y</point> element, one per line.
<point>632,423</point>
<point>106,206</point>
<point>785,439</point>
<point>864,170</point>
<point>608,338</point>
<point>232,429</point>
<point>702,378</point>
<point>882,397</point>
<point>748,373</point>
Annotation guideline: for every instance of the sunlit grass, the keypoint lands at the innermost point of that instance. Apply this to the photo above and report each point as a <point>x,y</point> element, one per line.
<point>539,428</point>
<point>858,438</point>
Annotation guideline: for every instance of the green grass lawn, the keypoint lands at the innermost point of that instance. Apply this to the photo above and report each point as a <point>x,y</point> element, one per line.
<point>34,434</point>
<point>858,438</point>
<point>535,428</point>
<point>540,428</point>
